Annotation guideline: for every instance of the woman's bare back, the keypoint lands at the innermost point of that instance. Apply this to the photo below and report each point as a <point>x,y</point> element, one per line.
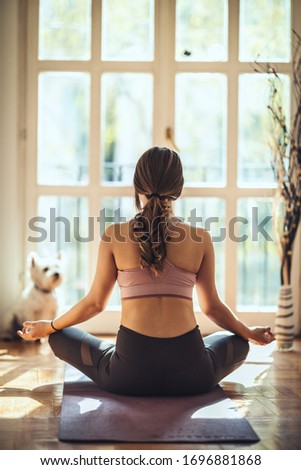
<point>159,316</point>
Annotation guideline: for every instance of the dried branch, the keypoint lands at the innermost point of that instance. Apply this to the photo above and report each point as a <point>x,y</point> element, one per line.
<point>286,161</point>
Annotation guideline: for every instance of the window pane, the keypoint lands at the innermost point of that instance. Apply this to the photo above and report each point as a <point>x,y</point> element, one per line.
<point>255,128</point>
<point>127,30</point>
<point>264,33</point>
<point>67,232</point>
<point>208,213</point>
<point>200,126</point>
<point>65,30</point>
<point>126,109</point>
<point>202,30</point>
<point>116,210</point>
<point>258,262</point>
<point>63,128</point>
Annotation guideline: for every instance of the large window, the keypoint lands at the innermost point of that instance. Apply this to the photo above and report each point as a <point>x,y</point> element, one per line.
<point>108,79</point>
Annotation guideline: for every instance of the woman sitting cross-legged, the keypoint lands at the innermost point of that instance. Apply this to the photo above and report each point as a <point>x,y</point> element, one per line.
<point>156,260</point>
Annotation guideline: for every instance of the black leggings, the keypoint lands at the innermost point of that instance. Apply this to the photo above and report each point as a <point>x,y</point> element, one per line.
<point>142,365</point>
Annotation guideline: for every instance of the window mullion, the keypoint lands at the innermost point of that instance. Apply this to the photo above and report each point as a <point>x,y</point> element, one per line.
<point>96,30</point>
<point>94,150</point>
<point>233,32</point>
<point>95,132</point>
<point>164,69</point>
<point>231,284</point>
<point>230,254</point>
<point>232,191</point>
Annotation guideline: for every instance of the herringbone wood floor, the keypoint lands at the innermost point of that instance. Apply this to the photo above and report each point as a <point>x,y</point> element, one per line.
<point>267,389</point>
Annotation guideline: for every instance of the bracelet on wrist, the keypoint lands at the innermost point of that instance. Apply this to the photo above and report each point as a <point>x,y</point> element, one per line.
<point>52,325</point>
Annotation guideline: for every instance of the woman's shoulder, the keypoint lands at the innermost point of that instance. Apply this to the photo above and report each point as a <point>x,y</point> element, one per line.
<point>117,232</point>
<point>195,234</point>
<point>121,232</point>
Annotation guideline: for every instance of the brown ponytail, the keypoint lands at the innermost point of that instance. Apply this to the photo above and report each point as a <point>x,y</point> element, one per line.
<point>158,176</point>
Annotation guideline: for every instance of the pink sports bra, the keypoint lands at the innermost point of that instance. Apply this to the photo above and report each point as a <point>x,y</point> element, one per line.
<point>173,282</point>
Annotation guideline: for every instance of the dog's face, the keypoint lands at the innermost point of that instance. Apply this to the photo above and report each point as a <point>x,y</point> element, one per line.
<point>46,273</point>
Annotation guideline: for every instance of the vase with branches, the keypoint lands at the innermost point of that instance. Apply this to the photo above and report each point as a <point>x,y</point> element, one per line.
<point>286,164</point>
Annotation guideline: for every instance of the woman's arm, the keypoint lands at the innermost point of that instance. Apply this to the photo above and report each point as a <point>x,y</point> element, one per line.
<point>215,309</point>
<point>93,303</point>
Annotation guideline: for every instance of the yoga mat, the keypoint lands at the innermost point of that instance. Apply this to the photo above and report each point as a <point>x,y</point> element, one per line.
<point>91,414</point>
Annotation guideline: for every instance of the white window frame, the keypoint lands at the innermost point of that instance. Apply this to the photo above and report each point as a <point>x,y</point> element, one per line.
<point>164,68</point>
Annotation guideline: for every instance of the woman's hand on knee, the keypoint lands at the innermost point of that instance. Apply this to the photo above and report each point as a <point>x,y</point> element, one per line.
<point>34,330</point>
<point>261,335</point>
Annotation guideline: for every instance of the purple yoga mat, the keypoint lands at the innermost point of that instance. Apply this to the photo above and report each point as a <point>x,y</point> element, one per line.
<point>91,414</point>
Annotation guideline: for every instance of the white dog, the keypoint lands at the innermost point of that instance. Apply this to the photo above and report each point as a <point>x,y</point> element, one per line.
<point>39,300</point>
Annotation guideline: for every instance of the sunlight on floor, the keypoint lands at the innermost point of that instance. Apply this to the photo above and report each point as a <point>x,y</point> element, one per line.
<point>5,357</point>
<point>22,379</point>
<point>221,410</point>
<point>17,407</point>
<point>8,368</point>
<point>249,374</point>
<point>19,379</point>
<point>261,353</point>
<point>88,404</point>
<point>256,367</point>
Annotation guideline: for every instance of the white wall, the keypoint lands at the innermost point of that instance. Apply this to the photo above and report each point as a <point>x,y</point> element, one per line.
<point>11,194</point>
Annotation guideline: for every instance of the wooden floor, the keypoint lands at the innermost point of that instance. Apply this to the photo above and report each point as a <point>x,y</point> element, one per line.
<point>267,389</point>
